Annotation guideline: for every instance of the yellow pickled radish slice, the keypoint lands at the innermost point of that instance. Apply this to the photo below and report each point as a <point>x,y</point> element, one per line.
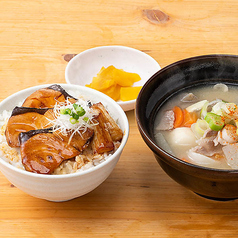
<point>129,93</point>
<point>106,73</point>
<point>125,79</point>
<point>116,83</point>
<point>113,92</point>
<point>100,84</point>
<point>103,80</point>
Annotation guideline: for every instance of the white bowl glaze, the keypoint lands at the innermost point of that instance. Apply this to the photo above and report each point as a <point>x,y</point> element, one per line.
<point>65,187</point>
<point>83,67</point>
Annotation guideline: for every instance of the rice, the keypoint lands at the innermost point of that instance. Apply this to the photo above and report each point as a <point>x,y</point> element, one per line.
<point>81,162</point>
<point>10,155</point>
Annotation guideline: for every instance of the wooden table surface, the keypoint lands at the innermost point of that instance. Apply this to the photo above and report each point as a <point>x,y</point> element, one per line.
<point>37,37</point>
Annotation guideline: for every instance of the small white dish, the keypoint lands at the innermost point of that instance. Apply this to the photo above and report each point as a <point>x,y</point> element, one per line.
<point>83,67</point>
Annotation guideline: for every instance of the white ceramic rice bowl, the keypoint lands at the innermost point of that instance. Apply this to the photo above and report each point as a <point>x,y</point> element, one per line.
<point>69,186</point>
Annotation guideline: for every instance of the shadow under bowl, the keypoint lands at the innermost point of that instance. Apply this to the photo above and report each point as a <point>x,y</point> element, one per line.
<point>218,184</point>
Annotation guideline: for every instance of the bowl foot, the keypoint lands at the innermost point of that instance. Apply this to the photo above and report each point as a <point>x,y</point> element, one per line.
<point>217,199</point>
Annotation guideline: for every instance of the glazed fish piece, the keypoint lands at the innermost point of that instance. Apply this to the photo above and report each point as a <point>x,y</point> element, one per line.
<point>114,130</point>
<point>50,114</point>
<point>47,97</point>
<point>102,141</point>
<point>57,87</point>
<point>23,122</point>
<point>79,140</point>
<point>42,152</point>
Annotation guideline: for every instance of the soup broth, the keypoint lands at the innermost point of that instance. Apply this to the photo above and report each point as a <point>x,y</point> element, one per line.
<point>201,141</point>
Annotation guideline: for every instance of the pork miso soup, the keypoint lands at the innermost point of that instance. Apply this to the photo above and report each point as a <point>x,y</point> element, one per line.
<point>200,126</point>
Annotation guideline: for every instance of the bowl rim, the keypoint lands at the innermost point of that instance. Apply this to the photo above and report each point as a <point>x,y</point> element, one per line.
<point>87,171</point>
<point>122,103</point>
<point>151,143</point>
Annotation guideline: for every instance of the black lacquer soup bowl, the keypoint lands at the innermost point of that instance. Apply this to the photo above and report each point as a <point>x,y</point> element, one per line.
<point>218,184</point>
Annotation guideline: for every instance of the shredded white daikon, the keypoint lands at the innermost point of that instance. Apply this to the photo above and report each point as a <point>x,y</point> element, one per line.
<point>64,125</point>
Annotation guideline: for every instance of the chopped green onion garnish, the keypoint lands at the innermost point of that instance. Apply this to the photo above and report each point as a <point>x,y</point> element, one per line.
<point>68,111</point>
<point>215,122</point>
<point>65,111</point>
<point>75,113</point>
<point>80,111</point>
<point>62,110</point>
<point>72,120</point>
<point>75,116</point>
<point>86,119</point>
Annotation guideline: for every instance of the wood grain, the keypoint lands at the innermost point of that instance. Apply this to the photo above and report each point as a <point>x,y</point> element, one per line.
<point>38,38</point>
